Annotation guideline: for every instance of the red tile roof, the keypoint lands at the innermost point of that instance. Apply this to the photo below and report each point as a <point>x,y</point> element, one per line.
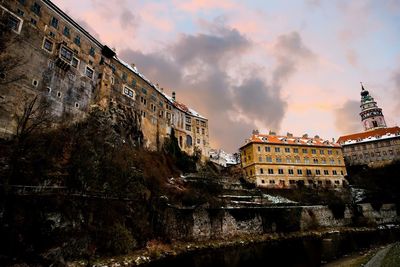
<point>301,141</point>
<point>373,133</point>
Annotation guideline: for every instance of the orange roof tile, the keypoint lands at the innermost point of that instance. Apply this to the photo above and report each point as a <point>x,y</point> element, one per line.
<point>289,140</point>
<point>373,133</point>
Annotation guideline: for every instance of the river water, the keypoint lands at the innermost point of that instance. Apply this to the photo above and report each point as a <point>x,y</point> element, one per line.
<point>307,252</point>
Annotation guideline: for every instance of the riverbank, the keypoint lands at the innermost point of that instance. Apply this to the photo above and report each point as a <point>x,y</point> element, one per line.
<point>156,250</point>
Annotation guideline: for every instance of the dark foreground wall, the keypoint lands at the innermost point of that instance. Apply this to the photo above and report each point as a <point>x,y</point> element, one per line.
<point>200,223</point>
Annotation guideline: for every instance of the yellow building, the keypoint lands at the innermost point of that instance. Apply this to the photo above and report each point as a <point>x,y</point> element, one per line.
<point>273,161</point>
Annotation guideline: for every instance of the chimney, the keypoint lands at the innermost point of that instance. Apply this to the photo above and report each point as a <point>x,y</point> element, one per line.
<point>333,140</point>
<point>162,89</point>
<point>305,135</point>
<point>255,132</point>
<point>133,65</point>
<point>316,136</point>
<point>272,133</point>
<point>173,95</point>
<point>289,134</point>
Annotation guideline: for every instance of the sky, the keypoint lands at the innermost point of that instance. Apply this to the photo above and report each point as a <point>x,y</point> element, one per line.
<point>281,65</point>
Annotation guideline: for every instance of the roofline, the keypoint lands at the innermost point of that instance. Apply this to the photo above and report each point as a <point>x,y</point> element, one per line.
<point>305,145</point>
<point>72,22</point>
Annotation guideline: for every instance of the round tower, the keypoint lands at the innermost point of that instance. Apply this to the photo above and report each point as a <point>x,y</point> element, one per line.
<point>371,115</point>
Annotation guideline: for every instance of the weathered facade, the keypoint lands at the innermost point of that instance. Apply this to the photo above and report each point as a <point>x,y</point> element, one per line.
<point>378,144</point>
<point>68,67</point>
<point>273,161</point>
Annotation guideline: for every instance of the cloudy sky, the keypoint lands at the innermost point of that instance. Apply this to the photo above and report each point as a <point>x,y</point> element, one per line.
<point>287,66</point>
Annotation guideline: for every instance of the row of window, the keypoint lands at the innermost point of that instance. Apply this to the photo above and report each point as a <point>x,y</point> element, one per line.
<point>306,160</point>
<point>374,154</point>
<point>55,23</point>
<point>372,145</point>
<point>66,55</point>
<point>300,172</point>
<point>293,182</point>
<point>296,150</point>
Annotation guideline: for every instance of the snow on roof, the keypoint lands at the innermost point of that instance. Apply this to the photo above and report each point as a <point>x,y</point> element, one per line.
<point>180,106</point>
<point>368,136</point>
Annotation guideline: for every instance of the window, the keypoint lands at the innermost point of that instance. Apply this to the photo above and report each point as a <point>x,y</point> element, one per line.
<point>272,181</point>
<point>287,149</point>
<point>332,161</point>
<point>59,94</point>
<point>306,160</point>
<point>260,159</point>
<point>33,22</point>
<point>91,51</point>
<point>22,2</point>
<point>258,148</point>
<point>384,153</point>
<point>36,8</point>
<point>144,91</point>
<point>290,171</point>
<point>89,72</point>
<point>48,45</point>
<point>35,82</point>
<point>308,172</point>
<point>261,171</point>
<point>329,152</point>
<point>267,149</point>
<point>334,172</point>
<point>189,143</point>
<point>317,172</point>
<point>280,171</point>
<point>66,54</point>
<point>326,172</point>
<point>263,181</point>
<point>20,12</point>
<point>288,160</point>
<point>188,127</point>
<point>295,150</point>
<point>14,23</point>
<point>66,31</point>
<point>297,159</point>
<point>315,161</point>
<point>321,151</point>
<point>75,62</point>
<point>299,172</point>
<point>268,159</point>
<point>323,161</point>
<point>278,159</point>
<point>188,120</point>
<point>77,40</point>
<point>313,151</point>
<point>270,171</point>
<point>292,182</point>
<point>54,22</point>
<point>129,92</point>
<point>304,150</point>
<point>328,182</point>
<point>76,104</point>
<point>203,131</point>
<point>277,149</point>
<point>198,141</point>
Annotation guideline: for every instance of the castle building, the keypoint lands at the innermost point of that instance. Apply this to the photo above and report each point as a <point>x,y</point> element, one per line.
<point>273,161</point>
<point>378,144</point>
<point>61,62</point>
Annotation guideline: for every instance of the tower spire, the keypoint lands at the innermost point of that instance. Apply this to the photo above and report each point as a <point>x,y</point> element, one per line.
<point>371,115</point>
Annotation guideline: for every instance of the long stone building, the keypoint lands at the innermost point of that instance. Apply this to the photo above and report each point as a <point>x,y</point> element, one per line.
<point>378,144</point>
<point>63,63</point>
<point>273,161</point>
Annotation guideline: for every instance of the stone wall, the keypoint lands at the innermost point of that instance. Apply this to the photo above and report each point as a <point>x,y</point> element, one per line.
<point>202,224</point>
